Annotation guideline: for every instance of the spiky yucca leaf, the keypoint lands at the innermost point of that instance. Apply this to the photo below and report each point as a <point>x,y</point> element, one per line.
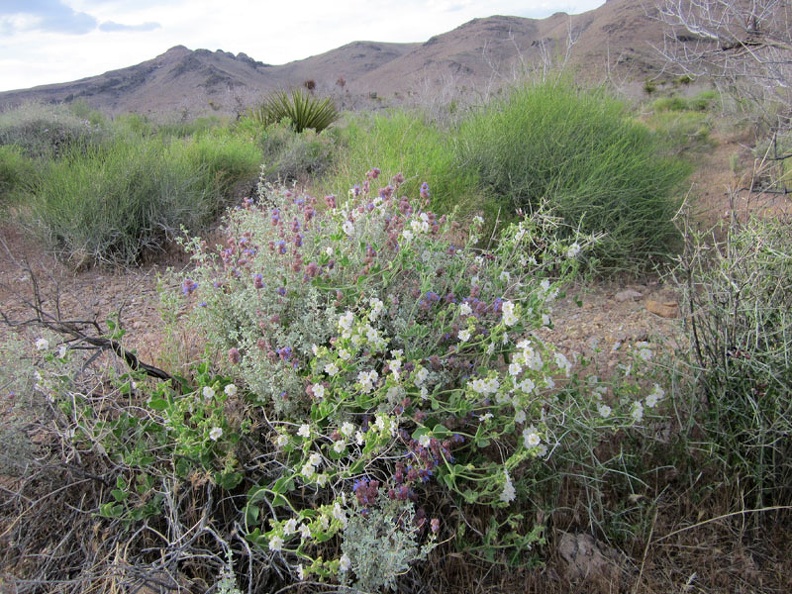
<point>300,107</point>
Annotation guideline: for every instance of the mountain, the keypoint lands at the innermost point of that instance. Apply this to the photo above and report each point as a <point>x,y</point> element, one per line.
<point>613,41</point>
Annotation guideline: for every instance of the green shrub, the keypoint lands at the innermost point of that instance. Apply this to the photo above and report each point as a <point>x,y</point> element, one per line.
<point>49,131</point>
<point>405,142</point>
<point>299,107</point>
<point>112,203</point>
<point>17,174</point>
<point>291,156</point>
<point>738,306</point>
<point>581,154</point>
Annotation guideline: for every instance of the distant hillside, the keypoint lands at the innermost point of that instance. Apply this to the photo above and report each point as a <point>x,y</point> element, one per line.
<point>478,57</point>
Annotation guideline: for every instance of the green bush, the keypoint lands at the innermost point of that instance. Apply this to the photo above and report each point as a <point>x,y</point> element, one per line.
<point>113,203</point>
<point>48,131</point>
<point>291,156</point>
<point>405,142</point>
<point>299,107</point>
<point>17,173</point>
<point>738,307</point>
<point>583,155</point>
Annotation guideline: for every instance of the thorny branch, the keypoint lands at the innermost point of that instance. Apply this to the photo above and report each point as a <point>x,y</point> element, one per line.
<point>83,333</point>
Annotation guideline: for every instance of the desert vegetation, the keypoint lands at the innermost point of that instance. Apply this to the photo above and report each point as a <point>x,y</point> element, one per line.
<point>357,391</point>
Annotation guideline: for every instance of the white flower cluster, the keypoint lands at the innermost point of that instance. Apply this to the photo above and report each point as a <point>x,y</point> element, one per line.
<point>509,313</point>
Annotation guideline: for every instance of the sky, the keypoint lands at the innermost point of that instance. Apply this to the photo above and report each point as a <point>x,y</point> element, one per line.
<point>53,41</point>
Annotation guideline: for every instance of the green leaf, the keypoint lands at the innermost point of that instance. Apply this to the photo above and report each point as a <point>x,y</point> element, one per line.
<point>158,403</point>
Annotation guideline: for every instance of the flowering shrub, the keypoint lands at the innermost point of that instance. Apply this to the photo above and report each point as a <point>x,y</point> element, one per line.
<point>392,369</point>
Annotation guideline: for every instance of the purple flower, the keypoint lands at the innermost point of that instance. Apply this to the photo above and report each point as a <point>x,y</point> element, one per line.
<point>188,286</point>
<point>258,281</point>
<point>281,291</point>
<point>425,191</point>
<point>233,355</point>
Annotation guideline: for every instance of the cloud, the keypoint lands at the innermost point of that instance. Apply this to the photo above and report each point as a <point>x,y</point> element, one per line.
<point>110,26</point>
<point>44,15</point>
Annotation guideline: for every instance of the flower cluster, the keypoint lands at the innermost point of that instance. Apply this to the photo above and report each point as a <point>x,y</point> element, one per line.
<point>393,358</point>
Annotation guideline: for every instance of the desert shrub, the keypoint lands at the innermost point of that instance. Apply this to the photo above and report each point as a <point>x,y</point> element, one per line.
<point>580,152</point>
<point>17,173</point>
<point>291,156</point>
<point>299,107</point>
<point>391,372</point>
<point>372,389</point>
<point>738,301</point>
<point>114,202</point>
<point>406,142</point>
<point>48,131</point>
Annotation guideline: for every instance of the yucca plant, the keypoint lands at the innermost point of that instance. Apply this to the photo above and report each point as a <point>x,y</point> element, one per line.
<point>300,107</point>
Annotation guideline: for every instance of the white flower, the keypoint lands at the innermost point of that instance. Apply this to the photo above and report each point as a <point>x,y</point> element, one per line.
<point>345,323</point>
<point>318,390</point>
<point>275,543</point>
<point>379,422</point>
<point>465,309</point>
<point>42,344</point>
<point>407,235</point>
<point>505,276</point>
<point>563,363</point>
<point>486,417</point>
<point>347,429</point>
<point>215,433</point>
<point>508,494</point>
<point>519,417</point>
<point>360,438</point>
<point>515,369</point>
<point>531,438</point>
<point>321,479</point>
<point>339,514</point>
<point>377,307</point>
<point>230,390</point>
<point>315,459</point>
<point>329,251</point>
<point>305,531</point>
<point>208,392</point>
<point>290,527</point>
<point>348,227</point>
<point>344,354</point>
<point>509,316</point>
<point>573,250</point>
<point>308,470</point>
<point>656,396</point>
<point>604,410</point>
<point>420,375</point>
<point>464,335</point>
<point>304,430</point>
<point>301,572</point>
<point>527,385</point>
<point>339,446</point>
<point>331,369</point>
<point>282,440</point>
<point>395,367</point>
<point>425,440</point>
<point>637,412</point>
<point>367,379</point>
<point>344,563</point>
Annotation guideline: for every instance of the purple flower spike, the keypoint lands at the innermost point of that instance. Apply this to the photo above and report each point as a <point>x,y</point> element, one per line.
<point>189,286</point>
<point>425,191</point>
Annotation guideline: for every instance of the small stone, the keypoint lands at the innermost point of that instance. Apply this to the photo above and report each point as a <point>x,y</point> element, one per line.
<point>627,295</point>
<point>667,309</point>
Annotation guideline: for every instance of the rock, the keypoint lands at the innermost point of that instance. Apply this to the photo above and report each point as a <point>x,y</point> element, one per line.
<point>628,295</point>
<point>667,309</point>
<point>587,559</point>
